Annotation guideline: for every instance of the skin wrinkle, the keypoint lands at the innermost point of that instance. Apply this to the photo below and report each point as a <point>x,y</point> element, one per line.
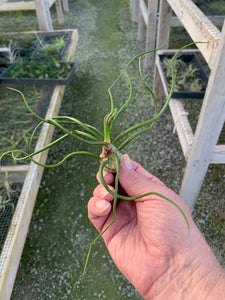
<point>174,280</point>
<point>120,229</point>
<point>214,285</point>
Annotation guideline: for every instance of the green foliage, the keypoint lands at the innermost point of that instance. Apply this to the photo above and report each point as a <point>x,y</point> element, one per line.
<point>187,75</point>
<point>110,158</point>
<point>54,46</point>
<point>34,69</point>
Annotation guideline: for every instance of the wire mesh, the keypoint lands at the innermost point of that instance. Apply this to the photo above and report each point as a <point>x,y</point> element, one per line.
<point>6,215</point>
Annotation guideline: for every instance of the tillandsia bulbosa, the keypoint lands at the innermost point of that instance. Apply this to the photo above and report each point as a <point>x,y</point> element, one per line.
<point>111,157</point>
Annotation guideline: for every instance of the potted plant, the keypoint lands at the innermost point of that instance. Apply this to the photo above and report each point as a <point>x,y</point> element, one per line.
<point>190,77</point>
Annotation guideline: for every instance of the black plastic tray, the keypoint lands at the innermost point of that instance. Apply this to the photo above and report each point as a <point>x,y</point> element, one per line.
<point>37,53</point>
<point>188,58</point>
<point>5,78</point>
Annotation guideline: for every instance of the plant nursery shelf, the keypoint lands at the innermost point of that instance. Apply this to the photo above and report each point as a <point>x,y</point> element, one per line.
<point>180,117</point>
<point>30,176</point>
<point>21,5</point>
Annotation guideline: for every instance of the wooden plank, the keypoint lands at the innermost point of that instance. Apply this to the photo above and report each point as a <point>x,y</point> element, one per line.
<point>59,12</point>
<point>141,26</point>
<point>209,126</point>
<point>10,255</point>
<point>165,17</point>
<point>2,2</point>
<point>149,59</point>
<point>182,126</point>
<point>216,20</point>
<point>218,156</point>
<point>65,6</point>
<point>43,15</point>
<point>199,27</point>
<point>134,10</point>
<point>165,13</point>
<point>144,11</point>
<point>21,5</point>
<point>14,173</point>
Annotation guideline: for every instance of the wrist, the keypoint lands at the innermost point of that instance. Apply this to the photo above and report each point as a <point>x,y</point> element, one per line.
<point>193,274</point>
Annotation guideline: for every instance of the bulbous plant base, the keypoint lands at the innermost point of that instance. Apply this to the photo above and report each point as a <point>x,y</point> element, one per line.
<point>111,154</point>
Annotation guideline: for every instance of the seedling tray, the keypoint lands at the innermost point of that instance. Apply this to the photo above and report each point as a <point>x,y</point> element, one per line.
<point>49,39</point>
<point>6,78</point>
<point>187,58</point>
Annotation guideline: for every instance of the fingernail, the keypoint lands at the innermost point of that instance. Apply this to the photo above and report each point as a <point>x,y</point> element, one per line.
<point>102,205</point>
<point>127,163</point>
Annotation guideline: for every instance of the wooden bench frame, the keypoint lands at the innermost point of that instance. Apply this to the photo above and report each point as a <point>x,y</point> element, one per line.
<point>200,149</point>
<point>30,175</point>
<point>42,8</point>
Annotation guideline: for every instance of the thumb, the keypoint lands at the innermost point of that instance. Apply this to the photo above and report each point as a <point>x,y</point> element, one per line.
<point>133,182</point>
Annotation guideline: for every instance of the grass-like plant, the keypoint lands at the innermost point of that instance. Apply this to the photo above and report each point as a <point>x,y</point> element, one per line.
<point>111,157</point>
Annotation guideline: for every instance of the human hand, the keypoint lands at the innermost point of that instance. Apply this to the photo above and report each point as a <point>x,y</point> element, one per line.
<point>149,240</point>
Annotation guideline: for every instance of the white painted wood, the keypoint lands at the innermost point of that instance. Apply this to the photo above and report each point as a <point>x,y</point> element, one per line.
<point>43,15</point>
<point>210,124</point>
<point>216,20</point>
<point>218,156</point>
<point>151,34</point>
<point>14,173</point>
<point>20,5</point>
<point>2,2</point>
<point>199,27</point>
<point>182,126</point>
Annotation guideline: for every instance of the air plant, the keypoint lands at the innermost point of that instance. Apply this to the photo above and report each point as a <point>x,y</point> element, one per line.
<point>187,75</point>
<point>10,55</point>
<point>111,157</point>
<point>6,193</point>
<point>54,46</point>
